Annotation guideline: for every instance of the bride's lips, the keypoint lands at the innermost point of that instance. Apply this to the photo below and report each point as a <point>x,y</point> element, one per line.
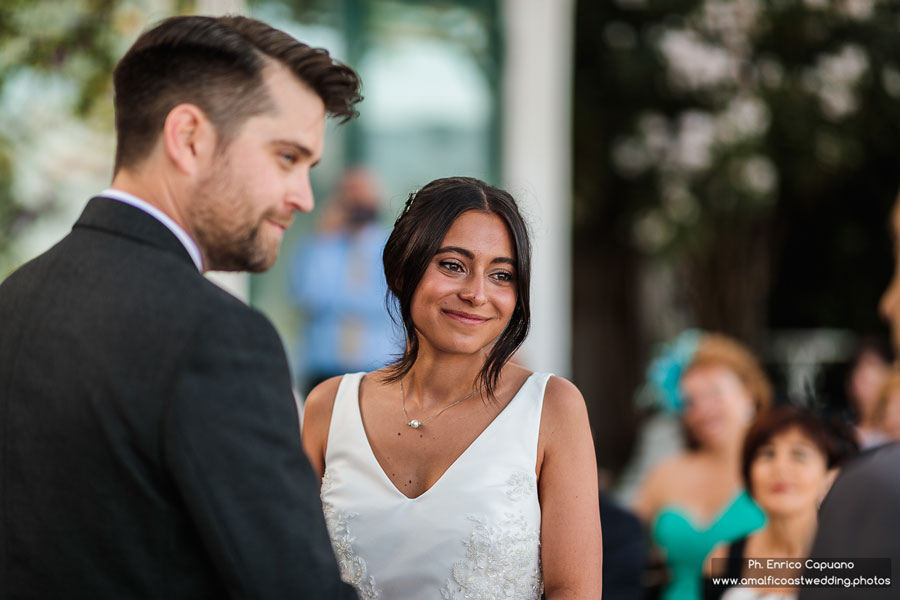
<point>464,317</point>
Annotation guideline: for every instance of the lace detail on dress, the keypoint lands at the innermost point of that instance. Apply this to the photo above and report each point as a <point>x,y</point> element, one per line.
<point>500,562</point>
<point>353,568</point>
<point>521,485</point>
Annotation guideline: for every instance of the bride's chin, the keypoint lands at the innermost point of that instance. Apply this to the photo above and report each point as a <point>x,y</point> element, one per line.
<point>475,351</point>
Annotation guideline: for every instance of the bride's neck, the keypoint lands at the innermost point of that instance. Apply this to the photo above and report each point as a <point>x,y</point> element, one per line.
<point>433,381</point>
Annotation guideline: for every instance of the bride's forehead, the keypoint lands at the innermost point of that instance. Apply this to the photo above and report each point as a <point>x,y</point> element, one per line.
<point>479,226</point>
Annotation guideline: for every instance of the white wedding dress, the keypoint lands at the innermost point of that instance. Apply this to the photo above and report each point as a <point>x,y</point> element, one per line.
<point>475,534</point>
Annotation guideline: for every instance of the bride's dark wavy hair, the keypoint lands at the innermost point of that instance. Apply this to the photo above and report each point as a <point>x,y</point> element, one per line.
<point>417,235</point>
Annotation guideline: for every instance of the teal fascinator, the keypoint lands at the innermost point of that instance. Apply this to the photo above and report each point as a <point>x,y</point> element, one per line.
<point>665,370</point>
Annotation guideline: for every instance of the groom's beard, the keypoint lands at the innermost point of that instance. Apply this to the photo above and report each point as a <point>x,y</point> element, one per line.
<point>227,227</point>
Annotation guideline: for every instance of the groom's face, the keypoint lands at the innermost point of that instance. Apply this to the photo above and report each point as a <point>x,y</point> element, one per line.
<point>246,200</point>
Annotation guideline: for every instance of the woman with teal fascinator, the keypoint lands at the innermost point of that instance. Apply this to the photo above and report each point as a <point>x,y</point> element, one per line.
<point>695,499</point>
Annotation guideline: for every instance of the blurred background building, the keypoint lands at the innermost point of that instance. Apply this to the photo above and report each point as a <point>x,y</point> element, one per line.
<point>721,164</point>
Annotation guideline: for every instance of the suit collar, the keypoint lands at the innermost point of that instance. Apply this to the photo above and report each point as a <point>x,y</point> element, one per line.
<point>113,216</point>
<point>185,239</point>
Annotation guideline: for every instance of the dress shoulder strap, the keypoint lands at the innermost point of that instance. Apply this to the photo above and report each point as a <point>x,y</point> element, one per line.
<point>517,428</point>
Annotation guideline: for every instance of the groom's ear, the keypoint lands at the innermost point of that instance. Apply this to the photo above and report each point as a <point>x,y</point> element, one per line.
<point>189,139</point>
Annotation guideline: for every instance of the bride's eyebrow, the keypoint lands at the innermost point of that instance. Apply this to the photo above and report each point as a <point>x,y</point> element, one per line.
<point>468,254</point>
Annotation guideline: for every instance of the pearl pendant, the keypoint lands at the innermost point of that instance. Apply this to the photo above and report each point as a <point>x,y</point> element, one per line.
<point>414,424</point>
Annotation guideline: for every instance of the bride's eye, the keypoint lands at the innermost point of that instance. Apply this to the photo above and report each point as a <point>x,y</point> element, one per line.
<point>451,265</point>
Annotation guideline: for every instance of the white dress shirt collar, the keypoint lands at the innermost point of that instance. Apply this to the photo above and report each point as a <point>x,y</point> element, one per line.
<point>160,216</point>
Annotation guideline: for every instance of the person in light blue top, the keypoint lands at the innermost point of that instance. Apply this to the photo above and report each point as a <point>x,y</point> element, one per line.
<point>337,281</point>
<point>695,500</point>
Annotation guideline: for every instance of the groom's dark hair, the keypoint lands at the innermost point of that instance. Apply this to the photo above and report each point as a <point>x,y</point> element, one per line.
<point>216,63</point>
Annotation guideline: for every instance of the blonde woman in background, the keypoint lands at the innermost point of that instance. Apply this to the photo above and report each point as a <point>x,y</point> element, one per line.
<point>695,500</point>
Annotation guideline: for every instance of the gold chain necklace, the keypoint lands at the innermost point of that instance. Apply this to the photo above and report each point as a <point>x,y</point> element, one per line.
<point>415,423</point>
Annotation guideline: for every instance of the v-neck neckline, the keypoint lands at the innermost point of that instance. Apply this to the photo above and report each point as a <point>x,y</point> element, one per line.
<point>456,461</point>
<point>690,518</point>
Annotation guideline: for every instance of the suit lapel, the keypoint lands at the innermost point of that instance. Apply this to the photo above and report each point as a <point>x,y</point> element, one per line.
<point>118,218</point>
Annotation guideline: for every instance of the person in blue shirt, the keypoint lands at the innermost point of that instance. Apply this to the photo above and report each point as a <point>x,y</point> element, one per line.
<point>337,281</point>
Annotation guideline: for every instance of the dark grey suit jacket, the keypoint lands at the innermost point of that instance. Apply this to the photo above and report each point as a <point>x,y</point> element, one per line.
<point>860,518</point>
<point>149,442</point>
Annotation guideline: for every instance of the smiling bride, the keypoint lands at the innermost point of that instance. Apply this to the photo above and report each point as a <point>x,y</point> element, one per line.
<point>453,472</point>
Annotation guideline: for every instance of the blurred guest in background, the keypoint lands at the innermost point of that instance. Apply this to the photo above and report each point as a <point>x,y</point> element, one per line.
<point>789,460</point>
<point>864,382</point>
<point>623,551</point>
<point>859,517</point>
<point>695,500</point>
<point>886,411</point>
<point>337,281</point>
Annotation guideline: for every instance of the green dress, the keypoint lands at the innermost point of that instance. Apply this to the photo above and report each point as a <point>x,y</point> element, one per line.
<point>686,546</point>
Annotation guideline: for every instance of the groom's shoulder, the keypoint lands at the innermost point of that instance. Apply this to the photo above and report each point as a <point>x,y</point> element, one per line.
<point>221,310</point>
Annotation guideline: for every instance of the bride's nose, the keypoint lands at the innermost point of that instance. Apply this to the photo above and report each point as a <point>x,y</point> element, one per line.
<point>473,290</point>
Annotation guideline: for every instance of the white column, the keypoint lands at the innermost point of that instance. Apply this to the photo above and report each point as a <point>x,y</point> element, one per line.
<point>536,148</point>
<point>215,8</point>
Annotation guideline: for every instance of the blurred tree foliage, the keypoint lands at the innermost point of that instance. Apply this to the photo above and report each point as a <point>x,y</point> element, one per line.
<point>713,136</point>
<point>69,44</point>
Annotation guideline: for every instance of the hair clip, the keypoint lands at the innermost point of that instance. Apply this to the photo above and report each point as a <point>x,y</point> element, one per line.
<point>409,203</point>
<point>665,370</point>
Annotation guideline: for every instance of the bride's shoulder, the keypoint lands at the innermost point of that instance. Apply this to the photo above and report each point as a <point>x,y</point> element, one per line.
<point>564,410</point>
<point>562,394</point>
<point>316,421</point>
<point>317,409</point>
<point>322,396</point>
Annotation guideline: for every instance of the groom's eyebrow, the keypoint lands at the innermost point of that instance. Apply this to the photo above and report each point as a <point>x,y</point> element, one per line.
<point>297,147</point>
